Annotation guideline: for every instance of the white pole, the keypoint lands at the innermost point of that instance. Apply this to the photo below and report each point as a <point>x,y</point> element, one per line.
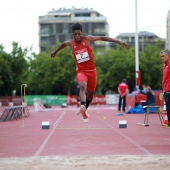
<point>136,44</point>
<point>22,103</point>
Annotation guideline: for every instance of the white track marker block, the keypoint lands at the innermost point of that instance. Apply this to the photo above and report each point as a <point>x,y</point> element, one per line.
<point>122,124</point>
<point>64,105</point>
<point>46,125</point>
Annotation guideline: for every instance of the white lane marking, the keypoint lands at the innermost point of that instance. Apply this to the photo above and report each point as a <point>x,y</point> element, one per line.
<point>96,108</point>
<point>129,139</point>
<point>38,152</point>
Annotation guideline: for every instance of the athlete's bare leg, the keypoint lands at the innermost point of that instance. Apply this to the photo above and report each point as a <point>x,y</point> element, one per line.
<point>82,94</point>
<point>90,96</point>
<point>83,86</point>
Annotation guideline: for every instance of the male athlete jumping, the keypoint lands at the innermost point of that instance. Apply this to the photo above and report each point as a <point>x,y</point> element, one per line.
<point>85,68</point>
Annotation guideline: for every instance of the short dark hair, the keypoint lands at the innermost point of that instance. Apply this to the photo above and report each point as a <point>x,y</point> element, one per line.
<point>76,26</point>
<point>124,80</point>
<point>164,51</point>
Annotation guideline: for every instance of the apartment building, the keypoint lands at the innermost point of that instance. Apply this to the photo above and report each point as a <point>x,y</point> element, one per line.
<point>144,38</point>
<point>55,26</point>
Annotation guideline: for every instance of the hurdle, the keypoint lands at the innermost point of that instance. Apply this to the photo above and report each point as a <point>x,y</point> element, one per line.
<point>14,112</point>
<point>158,111</point>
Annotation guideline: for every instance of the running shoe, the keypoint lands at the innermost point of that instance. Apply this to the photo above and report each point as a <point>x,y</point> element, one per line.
<point>83,112</point>
<point>166,126</point>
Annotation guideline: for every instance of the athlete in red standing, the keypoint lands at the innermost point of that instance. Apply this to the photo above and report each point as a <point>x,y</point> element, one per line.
<point>123,90</point>
<point>85,68</point>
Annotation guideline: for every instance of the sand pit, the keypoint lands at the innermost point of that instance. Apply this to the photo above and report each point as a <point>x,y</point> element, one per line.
<point>116,162</point>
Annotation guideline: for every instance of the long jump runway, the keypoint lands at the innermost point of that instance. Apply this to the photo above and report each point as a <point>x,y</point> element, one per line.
<point>69,136</point>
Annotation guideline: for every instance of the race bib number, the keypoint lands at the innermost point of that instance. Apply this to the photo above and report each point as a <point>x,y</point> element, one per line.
<point>82,55</point>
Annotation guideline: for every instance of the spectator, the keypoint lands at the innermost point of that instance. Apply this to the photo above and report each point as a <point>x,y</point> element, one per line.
<point>143,88</point>
<point>150,98</point>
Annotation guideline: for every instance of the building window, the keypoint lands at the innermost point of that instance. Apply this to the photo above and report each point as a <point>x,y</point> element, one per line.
<point>44,29</point>
<point>61,38</point>
<point>65,28</point>
<point>45,41</point>
<point>132,39</point>
<point>68,36</point>
<point>99,28</point>
<point>82,15</point>
<point>59,28</point>
<point>126,39</point>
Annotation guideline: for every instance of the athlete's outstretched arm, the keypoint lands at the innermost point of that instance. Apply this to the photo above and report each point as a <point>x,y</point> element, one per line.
<point>63,45</point>
<point>90,38</point>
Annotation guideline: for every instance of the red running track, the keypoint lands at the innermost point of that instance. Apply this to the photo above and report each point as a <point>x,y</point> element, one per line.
<point>70,136</point>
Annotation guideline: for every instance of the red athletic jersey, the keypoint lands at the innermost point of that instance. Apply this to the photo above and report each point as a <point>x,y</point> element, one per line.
<point>166,77</point>
<point>83,56</point>
<point>123,87</point>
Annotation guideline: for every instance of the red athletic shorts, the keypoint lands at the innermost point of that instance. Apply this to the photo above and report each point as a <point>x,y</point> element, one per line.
<point>89,77</point>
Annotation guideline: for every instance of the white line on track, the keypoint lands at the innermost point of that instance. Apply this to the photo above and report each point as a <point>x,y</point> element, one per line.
<point>130,140</point>
<point>95,108</point>
<point>76,108</point>
<point>38,152</point>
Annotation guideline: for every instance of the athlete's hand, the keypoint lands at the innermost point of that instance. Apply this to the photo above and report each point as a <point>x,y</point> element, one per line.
<point>53,54</point>
<point>123,44</point>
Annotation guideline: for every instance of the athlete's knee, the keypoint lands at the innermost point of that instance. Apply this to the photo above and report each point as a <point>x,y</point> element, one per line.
<point>82,86</point>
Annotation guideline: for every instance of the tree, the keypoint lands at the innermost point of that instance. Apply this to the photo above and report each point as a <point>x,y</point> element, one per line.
<point>151,66</point>
<point>112,66</point>
<point>44,75</point>
<point>13,69</point>
<point>52,76</point>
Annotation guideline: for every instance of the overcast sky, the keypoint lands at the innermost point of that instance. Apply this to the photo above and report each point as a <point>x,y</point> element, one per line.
<point>19,18</point>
